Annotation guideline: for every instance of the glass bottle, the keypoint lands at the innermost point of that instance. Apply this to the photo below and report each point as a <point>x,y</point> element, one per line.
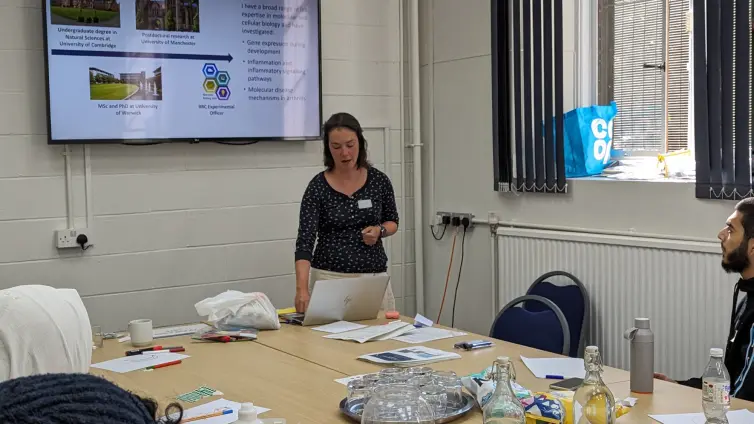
<point>593,402</point>
<point>503,407</point>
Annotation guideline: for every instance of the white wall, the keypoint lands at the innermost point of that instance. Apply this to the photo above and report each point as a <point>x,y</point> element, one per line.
<point>457,128</point>
<point>177,223</point>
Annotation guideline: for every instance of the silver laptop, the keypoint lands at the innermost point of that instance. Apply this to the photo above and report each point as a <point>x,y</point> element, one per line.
<point>345,299</point>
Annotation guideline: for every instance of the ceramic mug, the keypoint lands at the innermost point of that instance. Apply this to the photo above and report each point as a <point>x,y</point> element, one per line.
<point>141,332</point>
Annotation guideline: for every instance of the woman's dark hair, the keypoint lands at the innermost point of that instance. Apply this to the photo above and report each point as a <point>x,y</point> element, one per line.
<point>79,398</point>
<point>347,121</point>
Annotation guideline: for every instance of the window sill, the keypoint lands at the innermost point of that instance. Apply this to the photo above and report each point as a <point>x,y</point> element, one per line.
<point>681,169</point>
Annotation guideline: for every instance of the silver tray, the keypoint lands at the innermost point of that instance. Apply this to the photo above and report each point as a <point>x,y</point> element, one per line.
<point>353,411</point>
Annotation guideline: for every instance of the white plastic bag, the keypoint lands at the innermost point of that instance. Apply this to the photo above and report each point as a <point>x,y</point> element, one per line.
<point>236,309</point>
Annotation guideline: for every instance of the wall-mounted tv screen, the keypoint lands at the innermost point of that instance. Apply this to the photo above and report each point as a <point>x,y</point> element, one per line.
<point>182,70</point>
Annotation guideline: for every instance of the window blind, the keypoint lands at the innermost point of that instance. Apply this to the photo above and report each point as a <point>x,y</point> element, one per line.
<point>527,85</point>
<point>722,98</point>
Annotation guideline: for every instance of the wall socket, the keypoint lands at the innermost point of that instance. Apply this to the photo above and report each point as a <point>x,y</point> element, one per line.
<point>439,215</point>
<point>66,239</point>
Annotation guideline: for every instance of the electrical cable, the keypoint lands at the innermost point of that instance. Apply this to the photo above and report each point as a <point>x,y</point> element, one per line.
<point>436,237</point>
<point>458,282</point>
<point>447,277</point>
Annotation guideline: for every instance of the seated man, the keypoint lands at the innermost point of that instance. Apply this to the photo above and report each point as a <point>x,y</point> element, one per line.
<point>43,330</point>
<point>737,243</point>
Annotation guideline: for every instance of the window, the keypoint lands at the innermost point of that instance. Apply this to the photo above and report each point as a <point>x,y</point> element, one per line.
<point>644,66</point>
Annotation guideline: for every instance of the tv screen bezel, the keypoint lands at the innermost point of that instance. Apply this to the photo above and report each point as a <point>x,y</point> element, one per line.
<point>148,141</point>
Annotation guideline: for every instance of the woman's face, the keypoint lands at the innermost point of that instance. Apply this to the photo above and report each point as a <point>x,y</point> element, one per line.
<point>344,148</point>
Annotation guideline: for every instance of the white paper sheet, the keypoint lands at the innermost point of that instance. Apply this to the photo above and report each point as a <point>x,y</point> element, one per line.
<point>339,327</point>
<point>218,405</point>
<point>422,321</point>
<point>138,362</point>
<point>427,334</point>
<point>559,368</point>
<point>345,380</point>
<point>374,332</point>
<point>409,356</point>
<point>741,416</point>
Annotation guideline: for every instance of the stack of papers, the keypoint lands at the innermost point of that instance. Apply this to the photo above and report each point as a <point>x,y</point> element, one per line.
<point>375,332</point>
<point>410,356</point>
<point>138,362</point>
<point>555,368</point>
<point>339,327</point>
<point>742,416</point>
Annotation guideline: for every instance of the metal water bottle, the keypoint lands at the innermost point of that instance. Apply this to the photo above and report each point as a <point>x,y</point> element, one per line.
<point>642,356</point>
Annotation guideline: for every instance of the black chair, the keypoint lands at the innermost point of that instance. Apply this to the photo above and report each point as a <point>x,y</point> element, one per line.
<point>572,299</point>
<point>546,329</point>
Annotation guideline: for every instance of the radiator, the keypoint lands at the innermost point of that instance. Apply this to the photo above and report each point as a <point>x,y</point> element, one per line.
<point>680,286</point>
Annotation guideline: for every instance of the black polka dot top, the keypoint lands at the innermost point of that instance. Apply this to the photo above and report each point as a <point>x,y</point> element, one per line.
<point>335,222</point>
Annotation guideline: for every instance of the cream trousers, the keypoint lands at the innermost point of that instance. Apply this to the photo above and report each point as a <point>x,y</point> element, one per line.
<point>388,302</point>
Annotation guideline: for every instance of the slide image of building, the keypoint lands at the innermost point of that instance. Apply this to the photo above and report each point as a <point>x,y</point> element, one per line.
<point>167,15</point>
<point>141,85</point>
<point>99,13</point>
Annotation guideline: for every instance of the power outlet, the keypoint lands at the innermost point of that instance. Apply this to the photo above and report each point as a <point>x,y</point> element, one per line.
<point>461,216</point>
<point>67,239</point>
<point>440,215</point>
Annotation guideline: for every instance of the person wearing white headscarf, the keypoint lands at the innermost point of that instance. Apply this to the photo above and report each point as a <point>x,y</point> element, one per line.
<point>43,330</point>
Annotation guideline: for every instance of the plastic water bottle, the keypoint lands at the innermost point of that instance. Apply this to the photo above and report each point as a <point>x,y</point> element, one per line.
<point>248,414</point>
<point>642,356</point>
<point>716,389</point>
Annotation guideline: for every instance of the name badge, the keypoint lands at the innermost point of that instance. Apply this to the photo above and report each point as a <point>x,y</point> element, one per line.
<point>365,204</point>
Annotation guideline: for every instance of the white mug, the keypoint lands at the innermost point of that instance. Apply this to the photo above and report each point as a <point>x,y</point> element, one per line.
<point>141,332</point>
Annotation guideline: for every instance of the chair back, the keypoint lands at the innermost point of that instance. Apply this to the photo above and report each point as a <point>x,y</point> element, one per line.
<point>573,301</point>
<point>546,329</point>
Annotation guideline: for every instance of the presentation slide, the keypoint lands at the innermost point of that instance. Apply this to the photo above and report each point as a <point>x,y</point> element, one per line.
<point>183,70</point>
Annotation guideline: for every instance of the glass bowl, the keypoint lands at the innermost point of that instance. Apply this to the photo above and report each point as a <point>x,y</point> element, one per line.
<point>397,404</point>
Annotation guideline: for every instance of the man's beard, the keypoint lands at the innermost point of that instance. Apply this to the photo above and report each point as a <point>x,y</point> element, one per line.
<point>737,260</point>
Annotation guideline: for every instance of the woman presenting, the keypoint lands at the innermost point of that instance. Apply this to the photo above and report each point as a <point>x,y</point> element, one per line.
<point>347,210</point>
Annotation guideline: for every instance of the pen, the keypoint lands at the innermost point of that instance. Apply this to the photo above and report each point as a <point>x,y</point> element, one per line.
<point>140,351</point>
<point>204,417</point>
<point>173,350</point>
<point>554,377</point>
<point>166,364</point>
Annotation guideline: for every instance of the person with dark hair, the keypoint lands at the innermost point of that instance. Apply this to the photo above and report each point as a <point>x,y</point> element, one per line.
<point>737,244</point>
<point>347,210</point>
<point>76,398</point>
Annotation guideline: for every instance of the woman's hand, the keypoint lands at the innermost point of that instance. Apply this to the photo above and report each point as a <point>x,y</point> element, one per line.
<point>302,300</point>
<point>370,235</point>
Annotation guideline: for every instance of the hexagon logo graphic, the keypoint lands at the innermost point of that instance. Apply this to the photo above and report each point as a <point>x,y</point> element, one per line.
<point>223,78</point>
<point>210,85</point>
<point>209,70</point>
<point>223,93</point>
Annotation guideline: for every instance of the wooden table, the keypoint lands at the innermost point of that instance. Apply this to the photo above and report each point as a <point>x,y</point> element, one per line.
<point>340,355</point>
<point>297,390</point>
<point>292,371</point>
